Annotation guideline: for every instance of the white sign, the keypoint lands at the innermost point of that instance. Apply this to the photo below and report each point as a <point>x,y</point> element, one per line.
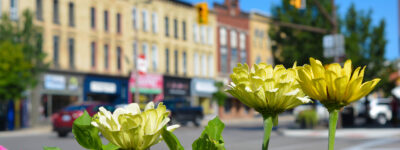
<point>142,64</point>
<point>54,82</point>
<point>333,45</point>
<point>103,87</point>
<point>205,87</point>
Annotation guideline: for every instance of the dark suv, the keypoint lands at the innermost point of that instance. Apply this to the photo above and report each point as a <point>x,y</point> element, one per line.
<point>182,112</point>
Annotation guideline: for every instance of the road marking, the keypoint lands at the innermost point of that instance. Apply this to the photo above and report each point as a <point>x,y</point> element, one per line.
<point>373,143</point>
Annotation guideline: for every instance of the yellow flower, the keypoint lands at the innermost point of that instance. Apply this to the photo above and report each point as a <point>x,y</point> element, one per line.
<point>266,89</point>
<point>129,128</point>
<point>334,86</point>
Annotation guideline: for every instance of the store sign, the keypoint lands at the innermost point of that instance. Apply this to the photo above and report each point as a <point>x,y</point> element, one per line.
<point>203,87</point>
<point>103,87</point>
<point>147,83</point>
<point>174,86</point>
<point>54,82</point>
<point>142,64</point>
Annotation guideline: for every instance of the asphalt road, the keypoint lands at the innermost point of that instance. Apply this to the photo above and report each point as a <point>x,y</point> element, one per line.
<point>238,137</point>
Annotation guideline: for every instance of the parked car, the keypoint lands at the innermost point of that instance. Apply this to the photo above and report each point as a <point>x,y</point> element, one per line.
<point>322,112</point>
<point>379,109</point>
<point>63,119</point>
<point>182,112</point>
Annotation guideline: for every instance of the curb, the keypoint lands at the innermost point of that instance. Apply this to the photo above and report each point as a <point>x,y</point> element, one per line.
<point>27,131</point>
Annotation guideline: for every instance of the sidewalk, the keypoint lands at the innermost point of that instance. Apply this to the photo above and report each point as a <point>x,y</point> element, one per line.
<point>27,131</point>
<point>359,133</point>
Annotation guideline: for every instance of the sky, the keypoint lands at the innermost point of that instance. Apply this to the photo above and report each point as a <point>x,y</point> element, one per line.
<point>382,9</point>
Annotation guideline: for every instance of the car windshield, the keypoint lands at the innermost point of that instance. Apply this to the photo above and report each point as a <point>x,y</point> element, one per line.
<point>73,108</point>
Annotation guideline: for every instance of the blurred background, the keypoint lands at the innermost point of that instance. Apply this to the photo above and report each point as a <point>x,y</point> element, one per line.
<point>61,57</point>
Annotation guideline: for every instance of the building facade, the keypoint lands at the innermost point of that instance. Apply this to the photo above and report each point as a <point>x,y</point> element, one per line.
<point>260,44</point>
<point>232,47</point>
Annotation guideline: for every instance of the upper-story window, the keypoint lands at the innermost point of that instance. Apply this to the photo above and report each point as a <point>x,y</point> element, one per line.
<point>135,51</point>
<point>56,45</point>
<point>176,29</point>
<point>184,63</point>
<point>184,30</point>
<point>119,58</point>
<point>93,18</point>
<point>14,9</point>
<point>196,32</point>
<point>154,57</point>
<point>71,14</point>
<point>71,51</point>
<point>202,34</point>
<point>105,20</point>
<point>56,12</point>
<point>166,20</point>
<point>93,54</point>
<point>106,56</point>
<point>154,22</point>
<point>203,65</point>
<point>223,50</point>
<point>39,9</point>
<point>166,60</point>
<point>196,64</point>
<point>210,35</point>
<point>134,18</point>
<point>242,46</point>
<point>119,29</point>
<point>234,49</point>
<point>0,8</point>
<point>145,21</point>
<point>210,66</point>
<point>145,52</point>
<point>176,62</point>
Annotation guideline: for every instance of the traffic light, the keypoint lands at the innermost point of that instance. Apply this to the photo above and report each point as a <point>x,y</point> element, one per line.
<point>299,4</point>
<point>202,13</point>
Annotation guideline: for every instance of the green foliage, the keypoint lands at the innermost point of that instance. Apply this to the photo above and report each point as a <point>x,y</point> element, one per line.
<point>86,134</point>
<point>26,40</point>
<point>171,140</point>
<point>220,95</point>
<point>14,69</point>
<point>308,118</point>
<point>110,146</point>
<point>211,137</point>
<point>289,44</point>
<point>51,148</point>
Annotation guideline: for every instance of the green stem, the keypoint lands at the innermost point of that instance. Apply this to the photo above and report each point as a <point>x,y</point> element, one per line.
<point>333,117</point>
<point>268,124</point>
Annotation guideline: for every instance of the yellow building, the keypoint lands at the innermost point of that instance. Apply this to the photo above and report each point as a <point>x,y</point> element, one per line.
<point>260,43</point>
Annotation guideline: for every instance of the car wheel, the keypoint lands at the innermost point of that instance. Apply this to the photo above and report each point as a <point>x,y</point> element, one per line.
<point>197,121</point>
<point>62,134</point>
<point>381,119</point>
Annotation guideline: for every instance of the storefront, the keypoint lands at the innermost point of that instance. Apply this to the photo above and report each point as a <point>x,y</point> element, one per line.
<point>150,88</point>
<point>105,89</point>
<point>176,87</point>
<point>59,90</point>
<point>202,91</point>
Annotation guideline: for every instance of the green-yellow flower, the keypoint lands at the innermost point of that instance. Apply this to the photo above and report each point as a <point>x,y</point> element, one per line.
<point>334,86</point>
<point>129,128</point>
<point>268,90</point>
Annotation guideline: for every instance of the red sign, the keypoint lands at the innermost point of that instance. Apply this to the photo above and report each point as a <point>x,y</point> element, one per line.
<point>147,81</point>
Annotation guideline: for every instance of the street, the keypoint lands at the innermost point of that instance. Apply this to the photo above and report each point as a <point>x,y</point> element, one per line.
<point>237,137</point>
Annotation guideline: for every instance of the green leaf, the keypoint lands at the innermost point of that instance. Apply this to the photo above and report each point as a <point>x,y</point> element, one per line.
<point>51,148</point>
<point>110,146</point>
<point>86,134</point>
<point>211,138</point>
<point>171,140</point>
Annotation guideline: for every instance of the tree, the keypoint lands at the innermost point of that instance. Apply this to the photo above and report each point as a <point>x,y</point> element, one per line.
<point>24,40</point>
<point>220,96</point>
<point>297,45</point>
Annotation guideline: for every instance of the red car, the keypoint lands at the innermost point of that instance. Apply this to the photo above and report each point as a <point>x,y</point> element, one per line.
<point>63,119</point>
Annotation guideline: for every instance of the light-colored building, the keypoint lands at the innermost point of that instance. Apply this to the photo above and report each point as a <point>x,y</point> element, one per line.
<point>260,43</point>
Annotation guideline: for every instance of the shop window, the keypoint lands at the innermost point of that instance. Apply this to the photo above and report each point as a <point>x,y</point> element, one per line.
<point>39,9</point>
<point>93,18</point>
<point>56,12</point>
<point>71,14</point>
<point>71,51</point>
